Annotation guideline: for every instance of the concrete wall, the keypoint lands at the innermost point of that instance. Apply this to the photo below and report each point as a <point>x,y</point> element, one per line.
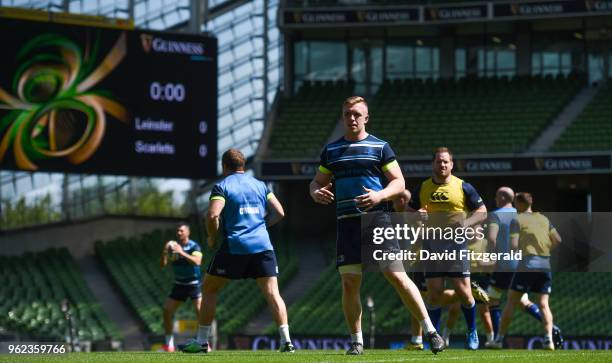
<point>79,237</point>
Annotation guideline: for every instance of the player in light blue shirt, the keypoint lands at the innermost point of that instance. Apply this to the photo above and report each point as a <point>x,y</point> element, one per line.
<point>500,222</point>
<point>237,216</point>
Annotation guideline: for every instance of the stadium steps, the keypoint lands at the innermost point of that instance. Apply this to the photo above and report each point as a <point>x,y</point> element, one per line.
<point>112,303</point>
<point>34,286</point>
<point>311,263</point>
<point>548,137</point>
<point>592,130</point>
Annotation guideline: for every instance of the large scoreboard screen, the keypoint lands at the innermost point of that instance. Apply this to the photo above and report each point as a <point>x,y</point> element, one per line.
<point>82,99</point>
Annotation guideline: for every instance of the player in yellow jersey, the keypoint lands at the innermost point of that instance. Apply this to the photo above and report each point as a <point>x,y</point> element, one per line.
<point>444,196</point>
<point>535,236</point>
<point>449,297</point>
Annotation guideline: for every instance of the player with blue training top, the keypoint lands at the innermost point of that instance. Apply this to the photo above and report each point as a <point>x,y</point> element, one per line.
<point>367,178</point>
<point>185,257</point>
<point>534,235</point>
<point>500,221</point>
<point>237,214</point>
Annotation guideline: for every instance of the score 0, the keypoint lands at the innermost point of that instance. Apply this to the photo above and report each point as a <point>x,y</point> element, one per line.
<point>203,128</point>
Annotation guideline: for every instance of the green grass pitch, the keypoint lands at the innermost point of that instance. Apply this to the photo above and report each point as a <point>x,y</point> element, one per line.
<point>327,356</point>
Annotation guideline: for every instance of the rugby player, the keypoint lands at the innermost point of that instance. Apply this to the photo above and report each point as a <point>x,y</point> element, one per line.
<point>367,177</point>
<point>498,235</point>
<point>448,198</point>
<point>185,259</point>
<point>535,236</point>
<point>240,202</point>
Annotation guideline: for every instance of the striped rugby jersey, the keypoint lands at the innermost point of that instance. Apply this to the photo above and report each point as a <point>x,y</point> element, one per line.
<point>354,165</point>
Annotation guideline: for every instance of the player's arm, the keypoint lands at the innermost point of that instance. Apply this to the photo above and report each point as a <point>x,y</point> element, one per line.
<point>275,210</point>
<point>515,229</point>
<point>492,231</point>
<point>394,188</point>
<point>555,238</point>
<point>212,219</point>
<point>163,261</point>
<point>478,211</point>
<point>195,258</point>
<point>320,187</point>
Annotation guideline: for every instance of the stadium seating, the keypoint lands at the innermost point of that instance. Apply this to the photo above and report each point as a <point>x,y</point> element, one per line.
<point>34,286</point>
<point>491,115</point>
<point>470,115</point>
<point>306,120</point>
<point>134,267</point>
<point>592,130</point>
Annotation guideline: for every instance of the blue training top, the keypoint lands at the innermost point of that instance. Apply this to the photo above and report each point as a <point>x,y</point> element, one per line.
<point>186,273</point>
<point>354,165</point>
<point>242,217</point>
<point>503,217</point>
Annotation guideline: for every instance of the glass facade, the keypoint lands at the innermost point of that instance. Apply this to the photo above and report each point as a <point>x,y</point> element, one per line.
<point>492,55</point>
<point>557,53</point>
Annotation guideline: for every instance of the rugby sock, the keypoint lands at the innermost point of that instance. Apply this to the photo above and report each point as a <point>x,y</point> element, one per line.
<point>495,318</point>
<point>427,324</point>
<point>434,313</point>
<point>416,339</point>
<point>170,340</point>
<point>283,330</point>
<point>357,338</point>
<point>470,316</point>
<point>446,333</point>
<point>534,311</point>
<point>203,333</point>
<point>490,337</point>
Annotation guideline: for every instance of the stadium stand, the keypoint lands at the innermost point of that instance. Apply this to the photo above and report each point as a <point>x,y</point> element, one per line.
<point>592,130</point>
<point>34,286</point>
<point>134,267</point>
<point>412,114</point>
<point>307,119</point>
<point>490,115</point>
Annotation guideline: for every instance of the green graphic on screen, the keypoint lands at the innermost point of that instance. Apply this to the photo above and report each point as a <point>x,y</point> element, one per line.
<point>53,108</point>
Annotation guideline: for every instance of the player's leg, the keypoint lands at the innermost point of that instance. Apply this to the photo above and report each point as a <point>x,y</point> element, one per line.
<point>170,306</point>
<point>435,289</point>
<point>485,316</point>
<point>453,315</point>
<point>463,288</point>
<point>411,297</point>
<point>211,287</point>
<point>416,335</point>
<point>500,282</point>
<point>351,300</point>
<point>269,289</point>
<point>519,285</point>
<point>416,332</point>
<point>530,308</point>
<point>547,321</point>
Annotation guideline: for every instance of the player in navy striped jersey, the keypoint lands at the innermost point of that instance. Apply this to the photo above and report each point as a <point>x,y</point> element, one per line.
<point>367,177</point>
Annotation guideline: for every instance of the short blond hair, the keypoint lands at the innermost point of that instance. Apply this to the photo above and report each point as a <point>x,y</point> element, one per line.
<point>353,100</point>
<point>441,150</point>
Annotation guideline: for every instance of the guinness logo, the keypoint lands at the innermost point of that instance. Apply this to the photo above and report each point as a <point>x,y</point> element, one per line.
<point>146,40</point>
<point>439,197</point>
